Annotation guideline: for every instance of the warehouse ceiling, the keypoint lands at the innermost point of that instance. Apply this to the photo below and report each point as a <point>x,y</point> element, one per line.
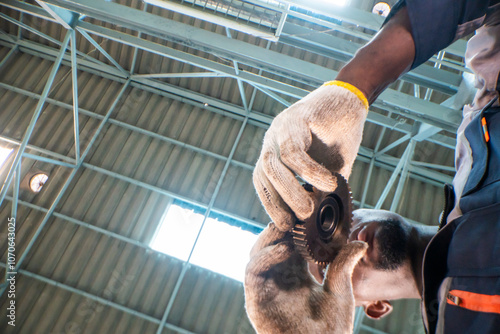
<point>128,107</point>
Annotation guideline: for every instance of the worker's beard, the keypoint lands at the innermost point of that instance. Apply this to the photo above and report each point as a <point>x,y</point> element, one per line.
<point>392,241</point>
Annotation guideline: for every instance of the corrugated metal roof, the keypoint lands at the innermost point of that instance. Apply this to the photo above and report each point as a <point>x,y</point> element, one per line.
<point>155,145</point>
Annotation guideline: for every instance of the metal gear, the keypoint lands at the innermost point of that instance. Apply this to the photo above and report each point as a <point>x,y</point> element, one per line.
<point>320,237</point>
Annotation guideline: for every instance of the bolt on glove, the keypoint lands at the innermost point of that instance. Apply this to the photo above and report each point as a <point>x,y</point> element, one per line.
<point>314,137</point>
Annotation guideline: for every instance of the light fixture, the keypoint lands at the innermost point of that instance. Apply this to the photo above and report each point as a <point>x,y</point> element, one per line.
<point>381,8</point>
<point>4,154</point>
<point>37,181</point>
<point>257,18</point>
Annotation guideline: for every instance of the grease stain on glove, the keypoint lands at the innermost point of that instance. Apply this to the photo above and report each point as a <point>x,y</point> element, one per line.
<point>313,138</point>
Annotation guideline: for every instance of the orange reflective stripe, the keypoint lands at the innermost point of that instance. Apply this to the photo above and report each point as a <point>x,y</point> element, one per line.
<point>485,130</point>
<point>474,301</point>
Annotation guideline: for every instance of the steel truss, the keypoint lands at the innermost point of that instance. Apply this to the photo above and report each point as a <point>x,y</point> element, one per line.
<point>430,118</point>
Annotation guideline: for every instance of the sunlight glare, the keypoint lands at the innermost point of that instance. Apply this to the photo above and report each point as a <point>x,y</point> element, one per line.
<point>4,154</point>
<point>221,247</point>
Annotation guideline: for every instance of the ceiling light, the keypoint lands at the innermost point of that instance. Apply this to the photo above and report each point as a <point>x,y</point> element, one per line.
<point>4,154</point>
<point>381,8</point>
<point>37,181</point>
<point>248,17</point>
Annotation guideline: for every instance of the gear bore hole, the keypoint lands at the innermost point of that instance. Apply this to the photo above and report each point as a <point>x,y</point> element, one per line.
<point>327,218</point>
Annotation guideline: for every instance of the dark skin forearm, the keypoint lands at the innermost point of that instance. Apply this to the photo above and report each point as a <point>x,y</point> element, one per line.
<point>383,60</point>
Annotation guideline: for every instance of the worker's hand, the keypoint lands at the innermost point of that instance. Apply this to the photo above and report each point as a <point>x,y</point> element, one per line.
<point>314,137</point>
<point>282,297</point>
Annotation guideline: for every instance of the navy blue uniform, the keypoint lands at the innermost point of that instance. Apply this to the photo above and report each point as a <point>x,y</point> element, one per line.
<point>461,270</point>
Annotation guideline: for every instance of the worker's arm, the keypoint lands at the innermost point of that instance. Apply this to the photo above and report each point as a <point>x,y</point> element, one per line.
<point>383,60</point>
<point>321,133</point>
<point>282,297</point>
<point>414,31</point>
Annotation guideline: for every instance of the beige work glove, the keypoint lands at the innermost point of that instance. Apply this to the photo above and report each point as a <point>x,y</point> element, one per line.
<point>314,137</point>
<point>281,296</point>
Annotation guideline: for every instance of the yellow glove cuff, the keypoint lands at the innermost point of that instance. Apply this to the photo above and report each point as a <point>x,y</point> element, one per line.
<point>351,88</point>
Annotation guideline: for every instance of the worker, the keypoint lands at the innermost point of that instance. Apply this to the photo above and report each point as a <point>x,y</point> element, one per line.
<point>456,271</point>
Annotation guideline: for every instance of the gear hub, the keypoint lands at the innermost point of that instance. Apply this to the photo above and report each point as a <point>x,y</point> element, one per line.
<point>320,237</point>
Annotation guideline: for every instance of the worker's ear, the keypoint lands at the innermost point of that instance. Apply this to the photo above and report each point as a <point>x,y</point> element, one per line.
<point>378,309</point>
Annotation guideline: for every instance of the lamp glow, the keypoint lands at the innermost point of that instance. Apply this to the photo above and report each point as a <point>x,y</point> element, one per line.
<point>37,182</point>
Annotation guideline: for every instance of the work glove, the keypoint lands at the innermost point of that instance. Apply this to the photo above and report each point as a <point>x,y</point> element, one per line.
<point>282,297</point>
<point>314,137</point>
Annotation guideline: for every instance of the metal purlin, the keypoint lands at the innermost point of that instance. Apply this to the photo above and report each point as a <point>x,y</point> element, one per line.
<point>136,49</point>
<point>98,299</point>
<point>237,72</point>
<point>9,54</point>
<point>166,324</point>
<point>30,29</point>
<point>44,36</point>
<point>254,92</point>
<point>207,212</point>
<point>210,206</point>
<point>13,214</point>
<point>153,83</point>
<point>404,175</point>
<point>74,80</point>
<point>36,114</point>
<point>180,56</point>
<point>227,164</point>
<point>127,15</point>
<point>73,173</point>
<point>386,159</point>
<point>78,165</point>
<point>370,167</point>
<point>402,164</point>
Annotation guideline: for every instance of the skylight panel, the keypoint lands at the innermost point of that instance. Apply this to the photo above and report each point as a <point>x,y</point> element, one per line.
<point>4,154</point>
<point>221,247</point>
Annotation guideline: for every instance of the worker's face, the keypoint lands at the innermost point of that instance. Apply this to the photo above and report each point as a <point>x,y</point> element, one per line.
<point>384,273</point>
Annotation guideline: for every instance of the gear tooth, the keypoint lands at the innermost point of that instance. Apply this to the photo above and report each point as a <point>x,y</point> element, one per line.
<point>299,243</point>
<point>305,233</point>
<point>323,264</point>
<point>311,254</point>
<point>299,226</point>
<point>299,237</point>
<point>299,230</point>
<point>300,234</point>
<point>305,255</point>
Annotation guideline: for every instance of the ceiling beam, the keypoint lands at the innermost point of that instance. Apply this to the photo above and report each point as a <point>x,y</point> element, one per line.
<point>224,107</point>
<point>112,73</point>
<point>338,48</point>
<point>64,17</point>
<point>249,54</point>
<point>355,16</point>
